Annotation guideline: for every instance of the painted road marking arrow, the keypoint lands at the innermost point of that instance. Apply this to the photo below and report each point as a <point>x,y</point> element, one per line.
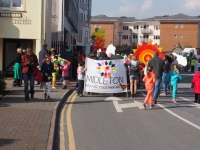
<point>119,107</point>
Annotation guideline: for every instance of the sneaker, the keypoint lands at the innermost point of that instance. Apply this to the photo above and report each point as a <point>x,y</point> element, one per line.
<point>151,106</point>
<point>174,101</point>
<point>195,101</point>
<point>163,94</point>
<point>32,95</point>
<point>53,87</point>
<point>48,98</point>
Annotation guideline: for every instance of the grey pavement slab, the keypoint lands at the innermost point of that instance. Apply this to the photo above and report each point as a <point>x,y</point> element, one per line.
<point>26,124</point>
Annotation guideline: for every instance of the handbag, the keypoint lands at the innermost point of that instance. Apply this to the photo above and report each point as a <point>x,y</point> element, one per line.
<point>38,76</point>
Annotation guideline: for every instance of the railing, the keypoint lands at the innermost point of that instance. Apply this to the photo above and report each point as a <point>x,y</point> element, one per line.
<point>144,40</point>
<point>135,31</point>
<point>5,70</point>
<point>59,46</point>
<point>134,40</point>
<point>148,31</point>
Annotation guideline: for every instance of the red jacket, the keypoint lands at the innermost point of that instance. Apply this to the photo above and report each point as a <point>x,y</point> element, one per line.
<point>25,65</point>
<point>196,82</point>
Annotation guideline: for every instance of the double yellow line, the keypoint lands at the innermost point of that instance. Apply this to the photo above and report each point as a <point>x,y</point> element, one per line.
<point>72,145</point>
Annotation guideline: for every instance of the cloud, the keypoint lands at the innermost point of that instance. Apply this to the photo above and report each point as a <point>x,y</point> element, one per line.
<point>128,7</point>
<point>146,5</point>
<point>191,4</point>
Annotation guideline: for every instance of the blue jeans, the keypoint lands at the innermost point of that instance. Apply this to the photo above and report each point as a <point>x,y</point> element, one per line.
<point>156,90</point>
<point>31,77</point>
<point>165,84</point>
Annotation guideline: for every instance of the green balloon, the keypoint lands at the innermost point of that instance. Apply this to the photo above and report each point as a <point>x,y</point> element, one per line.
<point>92,37</point>
<point>96,29</point>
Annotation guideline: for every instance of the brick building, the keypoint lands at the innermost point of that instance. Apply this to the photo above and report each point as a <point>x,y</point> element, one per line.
<point>181,29</point>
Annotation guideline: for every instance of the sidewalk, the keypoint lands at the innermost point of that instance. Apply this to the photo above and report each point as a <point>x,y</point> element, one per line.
<point>26,124</point>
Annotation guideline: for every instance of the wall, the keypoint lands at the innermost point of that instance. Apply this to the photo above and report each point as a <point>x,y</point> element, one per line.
<point>1,54</point>
<point>167,32</point>
<point>109,31</point>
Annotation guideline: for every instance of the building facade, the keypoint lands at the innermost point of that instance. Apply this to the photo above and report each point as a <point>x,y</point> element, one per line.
<point>127,31</point>
<point>167,31</point>
<point>83,40</point>
<point>23,24</point>
<point>181,29</point>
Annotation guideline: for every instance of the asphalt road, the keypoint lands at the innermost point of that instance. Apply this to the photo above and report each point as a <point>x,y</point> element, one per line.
<point>98,124</point>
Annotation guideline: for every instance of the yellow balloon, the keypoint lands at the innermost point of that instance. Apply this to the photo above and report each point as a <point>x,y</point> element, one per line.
<point>103,30</point>
<point>104,39</point>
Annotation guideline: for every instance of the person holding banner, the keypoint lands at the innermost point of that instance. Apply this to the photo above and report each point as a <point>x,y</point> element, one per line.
<point>81,76</point>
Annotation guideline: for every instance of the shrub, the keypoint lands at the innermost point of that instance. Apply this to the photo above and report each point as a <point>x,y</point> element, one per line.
<point>2,82</point>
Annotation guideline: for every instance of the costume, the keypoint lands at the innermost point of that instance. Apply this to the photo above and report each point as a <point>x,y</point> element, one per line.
<point>149,81</point>
<point>174,78</point>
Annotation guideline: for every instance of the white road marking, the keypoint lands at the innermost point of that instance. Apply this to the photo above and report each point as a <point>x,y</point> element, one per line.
<point>119,107</point>
<point>177,116</point>
<point>194,105</point>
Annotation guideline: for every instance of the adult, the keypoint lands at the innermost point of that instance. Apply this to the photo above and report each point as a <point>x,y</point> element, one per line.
<point>166,70</point>
<point>42,54</point>
<point>133,66</point>
<point>29,64</point>
<point>192,63</point>
<point>157,64</point>
<point>18,68</point>
<point>117,56</point>
<point>67,54</point>
<point>104,56</point>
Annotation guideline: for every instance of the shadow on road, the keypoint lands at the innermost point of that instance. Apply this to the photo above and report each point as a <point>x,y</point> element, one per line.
<point>4,142</point>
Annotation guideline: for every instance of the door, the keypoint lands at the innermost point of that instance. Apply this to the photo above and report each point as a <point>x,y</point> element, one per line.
<point>9,52</point>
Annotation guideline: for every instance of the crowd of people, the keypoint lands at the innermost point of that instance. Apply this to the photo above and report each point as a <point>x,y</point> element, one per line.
<point>158,70</point>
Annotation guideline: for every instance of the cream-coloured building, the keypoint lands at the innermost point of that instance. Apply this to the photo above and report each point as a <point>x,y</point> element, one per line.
<point>23,23</point>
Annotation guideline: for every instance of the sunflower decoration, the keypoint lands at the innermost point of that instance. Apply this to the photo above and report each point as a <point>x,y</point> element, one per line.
<point>146,51</point>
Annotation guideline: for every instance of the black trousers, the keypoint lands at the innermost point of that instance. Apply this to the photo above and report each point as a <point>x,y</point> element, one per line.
<point>197,98</point>
<point>192,68</point>
<point>80,86</point>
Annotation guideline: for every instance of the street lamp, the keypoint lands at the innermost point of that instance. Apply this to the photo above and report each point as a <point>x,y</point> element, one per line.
<point>120,34</point>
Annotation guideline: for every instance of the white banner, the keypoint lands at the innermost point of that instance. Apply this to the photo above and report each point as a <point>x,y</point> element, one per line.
<point>105,76</point>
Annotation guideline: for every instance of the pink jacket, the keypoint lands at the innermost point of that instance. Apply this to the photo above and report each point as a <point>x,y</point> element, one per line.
<point>65,71</point>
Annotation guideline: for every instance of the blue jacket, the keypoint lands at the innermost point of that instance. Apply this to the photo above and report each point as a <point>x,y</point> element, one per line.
<point>173,76</point>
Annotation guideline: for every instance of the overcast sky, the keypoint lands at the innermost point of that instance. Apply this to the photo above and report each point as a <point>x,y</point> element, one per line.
<point>141,9</point>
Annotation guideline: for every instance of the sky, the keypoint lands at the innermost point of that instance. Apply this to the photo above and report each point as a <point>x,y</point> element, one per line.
<point>141,9</point>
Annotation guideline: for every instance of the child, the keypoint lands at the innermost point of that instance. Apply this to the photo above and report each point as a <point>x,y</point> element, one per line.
<point>47,69</point>
<point>81,75</point>
<point>196,86</point>
<point>149,80</point>
<point>174,77</point>
<point>65,74</point>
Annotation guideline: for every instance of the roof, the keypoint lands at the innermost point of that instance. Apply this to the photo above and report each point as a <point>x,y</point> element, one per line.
<point>179,17</point>
<point>106,18</point>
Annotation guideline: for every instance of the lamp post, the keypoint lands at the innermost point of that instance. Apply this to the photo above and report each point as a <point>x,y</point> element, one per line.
<point>120,34</point>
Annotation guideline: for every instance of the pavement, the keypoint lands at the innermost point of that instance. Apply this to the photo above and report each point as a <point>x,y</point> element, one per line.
<point>105,122</point>
<point>29,124</point>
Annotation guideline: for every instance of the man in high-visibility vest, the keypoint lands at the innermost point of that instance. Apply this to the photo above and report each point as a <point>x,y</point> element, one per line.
<point>192,63</point>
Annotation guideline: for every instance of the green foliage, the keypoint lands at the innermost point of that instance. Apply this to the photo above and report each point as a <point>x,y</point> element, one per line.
<point>2,82</point>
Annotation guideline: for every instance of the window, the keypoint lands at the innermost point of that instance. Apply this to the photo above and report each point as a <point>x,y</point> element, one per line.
<point>125,28</point>
<point>181,26</point>
<point>156,37</point>
<point>135,36</point>
<point>181,36</point>
<point>124,37</point>
<point>175,36</point>
<point>175,26</point>
<point>146,26</point>
<point>11,4</point>
<point>125,45</point>
<point>136,27</point>
<point>156,27</point>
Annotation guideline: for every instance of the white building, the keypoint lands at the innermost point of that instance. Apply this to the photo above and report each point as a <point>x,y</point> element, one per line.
<point>83,41</point>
